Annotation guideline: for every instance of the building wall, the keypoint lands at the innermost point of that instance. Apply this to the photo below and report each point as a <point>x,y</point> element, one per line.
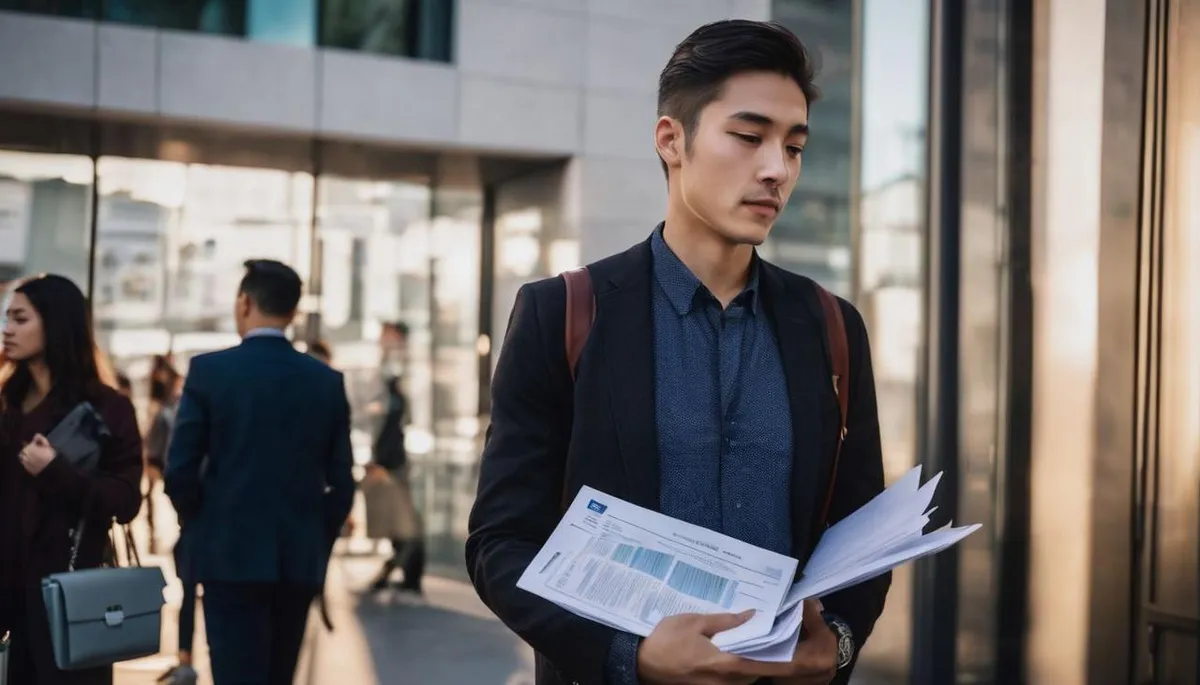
<point>570,78</point>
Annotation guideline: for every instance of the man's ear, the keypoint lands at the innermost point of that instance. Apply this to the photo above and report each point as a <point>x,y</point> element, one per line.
<point>243,304</point>
<point>669,141</point>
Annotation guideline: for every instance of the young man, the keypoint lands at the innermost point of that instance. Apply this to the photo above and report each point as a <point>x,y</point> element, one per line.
<point>260,473</point>
<point>703,390</point>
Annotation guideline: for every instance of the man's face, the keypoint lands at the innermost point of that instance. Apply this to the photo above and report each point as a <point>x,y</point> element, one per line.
<point>744,157</point>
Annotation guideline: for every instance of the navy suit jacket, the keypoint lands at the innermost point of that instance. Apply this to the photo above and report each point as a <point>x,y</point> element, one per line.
<point>259,463</point>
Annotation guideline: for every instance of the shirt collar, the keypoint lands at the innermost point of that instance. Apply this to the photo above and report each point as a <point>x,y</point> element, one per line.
<point>681,285</point>
<point>264,333</point>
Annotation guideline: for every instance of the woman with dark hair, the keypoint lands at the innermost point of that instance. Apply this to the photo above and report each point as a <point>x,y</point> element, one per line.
<point>49,366</point>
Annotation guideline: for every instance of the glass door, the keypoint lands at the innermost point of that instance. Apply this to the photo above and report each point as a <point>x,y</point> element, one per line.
<point>1169,445</point>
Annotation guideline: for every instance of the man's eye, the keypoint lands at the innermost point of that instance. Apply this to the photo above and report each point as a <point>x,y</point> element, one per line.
<point>748,138</point>
<point>795,151</point>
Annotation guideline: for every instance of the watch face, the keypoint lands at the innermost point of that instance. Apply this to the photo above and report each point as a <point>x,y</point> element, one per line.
<point>845,650</point>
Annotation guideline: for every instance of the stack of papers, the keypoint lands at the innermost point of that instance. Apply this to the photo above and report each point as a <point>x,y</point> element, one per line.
<point>628,567</point>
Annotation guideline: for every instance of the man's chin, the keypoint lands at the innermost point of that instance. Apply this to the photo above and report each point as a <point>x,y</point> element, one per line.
<point>743,233</point>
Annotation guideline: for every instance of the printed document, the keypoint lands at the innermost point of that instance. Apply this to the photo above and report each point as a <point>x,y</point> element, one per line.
<point>629,567</point>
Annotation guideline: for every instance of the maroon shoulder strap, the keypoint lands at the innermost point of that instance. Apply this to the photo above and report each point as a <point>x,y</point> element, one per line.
<point>581,311</point>
<point>839,353</point>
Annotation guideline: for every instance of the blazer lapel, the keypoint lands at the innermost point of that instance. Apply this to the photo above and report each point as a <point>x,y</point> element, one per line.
<point>625,322</point>
<point>801,349</point>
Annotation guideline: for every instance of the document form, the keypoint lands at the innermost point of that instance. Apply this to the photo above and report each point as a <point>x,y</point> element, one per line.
<point>628,567</point>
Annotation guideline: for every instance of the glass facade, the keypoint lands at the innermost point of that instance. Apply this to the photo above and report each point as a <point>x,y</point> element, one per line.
<point>813,234</point>
<point>383,236</point>
<point>889,262</point>
<point>1168,591</point>
<point>171,240</point>
<point>420,29</point>
<point>45,215</point>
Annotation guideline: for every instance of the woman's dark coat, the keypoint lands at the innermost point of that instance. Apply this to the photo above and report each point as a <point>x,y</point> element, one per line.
<point>37,513</point>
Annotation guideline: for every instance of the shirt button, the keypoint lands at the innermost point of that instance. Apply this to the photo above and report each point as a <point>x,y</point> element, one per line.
<point>738,505</point>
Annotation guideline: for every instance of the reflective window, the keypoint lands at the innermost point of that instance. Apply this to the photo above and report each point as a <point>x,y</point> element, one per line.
<point>891,229</point>
<point>280,21</point>
<point>45,215</point>
<point>409,28</point>
<point>171,241</point>
<point>812,235</point>
<point>395,252</point>
<point>1175,521</point>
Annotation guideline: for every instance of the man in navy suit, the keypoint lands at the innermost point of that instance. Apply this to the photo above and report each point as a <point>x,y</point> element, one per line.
<point>259,471</point>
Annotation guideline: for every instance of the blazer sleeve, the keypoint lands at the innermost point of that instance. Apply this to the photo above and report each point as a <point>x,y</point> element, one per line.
<point>114,490</point>
<point>189,444</point>
<point>520,488</point>
<point>859,479</point>
<point>339,463</point>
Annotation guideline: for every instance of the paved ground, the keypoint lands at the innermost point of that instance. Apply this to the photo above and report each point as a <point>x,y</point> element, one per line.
<point>445,638</point>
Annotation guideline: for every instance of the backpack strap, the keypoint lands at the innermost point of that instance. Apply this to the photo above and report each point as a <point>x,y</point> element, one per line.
<point>839,358</point>
<point>581,311</point>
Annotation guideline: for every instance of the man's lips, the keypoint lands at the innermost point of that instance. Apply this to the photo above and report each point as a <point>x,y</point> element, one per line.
<point>763,207</point>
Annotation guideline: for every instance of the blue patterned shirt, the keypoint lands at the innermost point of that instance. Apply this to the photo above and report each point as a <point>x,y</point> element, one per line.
<point>723,415</point>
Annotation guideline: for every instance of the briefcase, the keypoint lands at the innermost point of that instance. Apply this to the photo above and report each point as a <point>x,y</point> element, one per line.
<point>104,615</point>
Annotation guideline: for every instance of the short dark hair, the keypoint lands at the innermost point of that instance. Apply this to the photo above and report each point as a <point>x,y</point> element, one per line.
<point>273,287</point>
<point>701,64</point>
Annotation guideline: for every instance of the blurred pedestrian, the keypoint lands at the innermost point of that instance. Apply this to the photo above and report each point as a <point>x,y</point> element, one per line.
<point>164,396</point>
<point>48,367</point>
<point>124,385</point>
<point>260,464</point>
<point>320,350</point>
<point>389,494</point>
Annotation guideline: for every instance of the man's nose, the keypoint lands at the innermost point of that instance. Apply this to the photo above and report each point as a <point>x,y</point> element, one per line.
<point>773,169</point>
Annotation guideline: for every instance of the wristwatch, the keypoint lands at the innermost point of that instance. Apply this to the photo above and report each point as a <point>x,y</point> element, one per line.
<point>845,639</point>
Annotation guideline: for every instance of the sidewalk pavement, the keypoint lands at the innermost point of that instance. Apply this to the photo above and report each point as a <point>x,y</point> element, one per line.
<point>446,637</point>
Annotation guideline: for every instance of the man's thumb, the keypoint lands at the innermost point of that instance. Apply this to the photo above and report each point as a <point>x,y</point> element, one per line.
<point>40,440</point>
<point>719,623</point>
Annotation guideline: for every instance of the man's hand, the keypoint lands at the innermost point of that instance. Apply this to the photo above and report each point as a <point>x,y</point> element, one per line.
<point>680,652</point>
<point>815,660</point>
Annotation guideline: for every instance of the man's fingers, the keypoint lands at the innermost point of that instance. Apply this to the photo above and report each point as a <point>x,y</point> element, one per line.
<point>732,664</point>
<point>711,624</point>
<point>813,622</point>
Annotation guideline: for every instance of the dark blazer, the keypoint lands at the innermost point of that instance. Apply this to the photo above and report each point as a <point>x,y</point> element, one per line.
<point>259,463</point>
<point>38,512</point>
<point>603,434</point>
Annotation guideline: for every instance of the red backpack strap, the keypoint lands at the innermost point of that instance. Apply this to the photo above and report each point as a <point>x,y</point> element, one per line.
<point>839,358</point>
<point>581,311</point>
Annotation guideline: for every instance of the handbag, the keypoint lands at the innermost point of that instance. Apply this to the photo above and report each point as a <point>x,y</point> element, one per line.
<point>77,437</point>
<point>99,616</point>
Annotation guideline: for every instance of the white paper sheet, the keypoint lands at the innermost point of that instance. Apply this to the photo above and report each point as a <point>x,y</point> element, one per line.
<point>629,567</point>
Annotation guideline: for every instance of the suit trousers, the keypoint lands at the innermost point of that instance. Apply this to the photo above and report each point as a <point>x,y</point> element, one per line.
<point>255,630</point>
